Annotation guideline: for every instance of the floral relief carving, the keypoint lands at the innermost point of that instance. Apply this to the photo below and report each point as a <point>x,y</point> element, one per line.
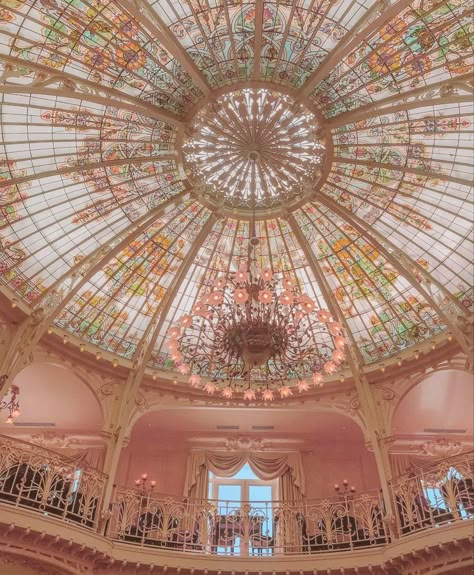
<point>354,406</point>
<point>387,393</point>
<point>442,448</point>
<point>51,440</point>
<point>107,389</point>
<point>245,444</point>
<point>141,402</point>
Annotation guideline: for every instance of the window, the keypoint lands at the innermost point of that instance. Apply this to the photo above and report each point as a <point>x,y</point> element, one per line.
<point>76,480</point>
<point>437,495</point>
<point>229,495</point>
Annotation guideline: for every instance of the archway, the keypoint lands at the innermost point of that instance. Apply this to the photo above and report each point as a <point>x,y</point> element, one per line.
<point>439,409</point>
<point>57,411</point>
<point>332,445</point>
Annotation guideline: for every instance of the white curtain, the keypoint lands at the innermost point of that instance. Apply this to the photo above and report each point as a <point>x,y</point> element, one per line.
<point>93,456</point>
<point>287,530</point>
<point>402,463</point>
<point>286,467</point>
<point>266,466</point>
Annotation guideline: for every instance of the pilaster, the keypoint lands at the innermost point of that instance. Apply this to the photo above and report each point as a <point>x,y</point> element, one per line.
<point>376,429</point>
<point>17,345</point>
<point>379,441</point>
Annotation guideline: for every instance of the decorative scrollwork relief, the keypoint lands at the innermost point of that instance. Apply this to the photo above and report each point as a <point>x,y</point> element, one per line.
<point>245,444</point>
<point>442,448</point>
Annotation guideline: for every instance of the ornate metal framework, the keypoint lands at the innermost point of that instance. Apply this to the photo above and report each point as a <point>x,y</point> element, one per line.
<point>251,149</point>
<point>48,484</point>
<point>92,151</point>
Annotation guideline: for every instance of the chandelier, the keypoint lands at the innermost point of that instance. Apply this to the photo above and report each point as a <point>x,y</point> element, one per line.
<point>253,334</point>
<point>12,405</point>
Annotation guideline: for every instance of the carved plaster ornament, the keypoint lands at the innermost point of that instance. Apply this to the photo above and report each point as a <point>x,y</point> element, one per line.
<point>107,389</point>
<point>442,448</point>
<point>51,440</point>
<point>244,444</point>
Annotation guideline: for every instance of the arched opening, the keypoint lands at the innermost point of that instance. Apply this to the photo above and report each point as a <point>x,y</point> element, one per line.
<point>441,406</point>
<point>57,409</point>
<point>332,445</point>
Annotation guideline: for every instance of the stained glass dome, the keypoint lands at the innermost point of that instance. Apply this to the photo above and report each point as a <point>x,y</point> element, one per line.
<point>139,137</point>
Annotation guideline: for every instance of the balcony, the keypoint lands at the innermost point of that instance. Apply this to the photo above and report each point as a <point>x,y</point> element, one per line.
<point>58,499</point>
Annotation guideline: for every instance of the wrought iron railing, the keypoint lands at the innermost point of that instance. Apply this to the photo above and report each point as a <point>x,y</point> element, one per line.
<point>68,489</point>
<point>256,528</point>
<point>434,494</point>
<point>54,485</point>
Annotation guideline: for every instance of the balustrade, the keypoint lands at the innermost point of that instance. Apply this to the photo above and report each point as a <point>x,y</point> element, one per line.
<point>434,494</point>
<point>256,528</point>
<point>54,485</point>
<point>65,488</point>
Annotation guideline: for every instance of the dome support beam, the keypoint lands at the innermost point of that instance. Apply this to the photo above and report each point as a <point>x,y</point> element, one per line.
<point>140,359</point>
<point>404,169</point>
<point>87,167</point>
<point>149,19</point>
<point>257,51</point>
<point>360,32</point>
<point>80,89</point>
<point>377,431</point>
<point>26,337</point>
<point>454,315</point>
<point>439,93</point>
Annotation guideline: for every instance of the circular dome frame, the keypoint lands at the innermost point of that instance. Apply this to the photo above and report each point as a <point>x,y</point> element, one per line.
<point>100,227</point>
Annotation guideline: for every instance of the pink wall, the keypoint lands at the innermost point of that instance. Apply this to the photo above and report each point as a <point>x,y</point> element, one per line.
<point>444,400</point>
<point>165,461</point>
<point>330,464</point>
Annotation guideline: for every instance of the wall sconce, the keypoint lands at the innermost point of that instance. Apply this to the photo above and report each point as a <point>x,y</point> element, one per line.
<point>13,404</point>
<point>144,488</point>
<point>345,490</point>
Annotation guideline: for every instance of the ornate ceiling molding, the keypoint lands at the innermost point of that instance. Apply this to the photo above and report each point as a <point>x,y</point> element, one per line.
<point>245,444</point>
<point>430,446</point>
<point>442,448</point>
<point>60,440</point>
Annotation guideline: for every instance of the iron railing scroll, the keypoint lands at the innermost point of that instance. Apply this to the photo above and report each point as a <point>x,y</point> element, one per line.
<point>249,528</point>
<point>434,494</point>
<point>67,489</point>
<point>50,483</point>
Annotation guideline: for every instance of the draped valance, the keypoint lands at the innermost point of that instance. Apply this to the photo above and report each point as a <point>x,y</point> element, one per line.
<point>402,463</point>
<point>266,466</point>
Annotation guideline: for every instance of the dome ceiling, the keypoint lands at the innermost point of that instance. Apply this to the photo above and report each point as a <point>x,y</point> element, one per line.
<point>137,137</point>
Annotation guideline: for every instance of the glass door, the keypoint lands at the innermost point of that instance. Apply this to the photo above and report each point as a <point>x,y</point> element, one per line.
<point>237,531</point>
<point>227,533</point>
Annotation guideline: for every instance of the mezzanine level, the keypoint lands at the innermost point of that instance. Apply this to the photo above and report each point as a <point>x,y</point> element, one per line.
<point>52,506</point>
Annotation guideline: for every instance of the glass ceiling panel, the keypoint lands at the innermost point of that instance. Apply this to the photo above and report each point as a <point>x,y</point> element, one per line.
<point>425,44</point>
<point>385,314</point>
<point>116,305</point>
<point>68,191</point>
<point>97,42</point>
<point>94,110</point>
<point>427,216</point>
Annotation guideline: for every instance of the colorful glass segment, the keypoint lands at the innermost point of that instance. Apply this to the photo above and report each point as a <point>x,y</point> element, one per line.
<point>97,99</point>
